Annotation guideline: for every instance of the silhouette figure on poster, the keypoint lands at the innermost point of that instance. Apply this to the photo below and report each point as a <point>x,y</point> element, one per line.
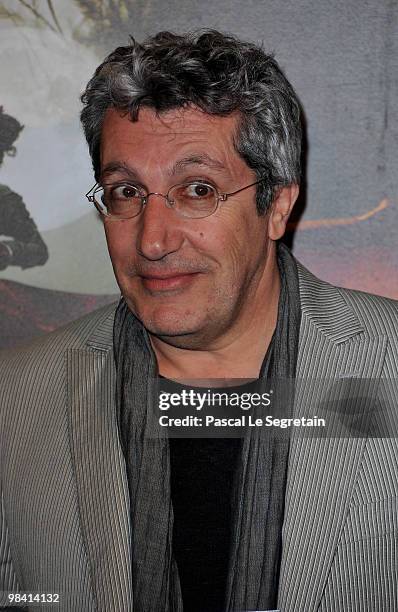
<point>23,245</point>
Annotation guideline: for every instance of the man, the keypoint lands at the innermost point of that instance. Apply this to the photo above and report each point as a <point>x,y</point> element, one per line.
<point>26,249</point>
<point>195,142</point>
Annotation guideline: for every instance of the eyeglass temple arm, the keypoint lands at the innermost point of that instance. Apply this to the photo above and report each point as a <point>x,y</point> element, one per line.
<point>89,195</point>
<point>225,196</point>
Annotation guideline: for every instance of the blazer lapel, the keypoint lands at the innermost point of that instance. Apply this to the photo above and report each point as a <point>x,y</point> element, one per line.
<point>322,472</point>
<point>102,489</point>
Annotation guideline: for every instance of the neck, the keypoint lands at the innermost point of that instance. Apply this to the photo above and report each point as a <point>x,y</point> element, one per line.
<point>237,354</point>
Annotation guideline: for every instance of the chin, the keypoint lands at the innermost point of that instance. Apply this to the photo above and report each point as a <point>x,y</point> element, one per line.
<point>166,321</point>
<point>169,329</point>
<point>178,336</point>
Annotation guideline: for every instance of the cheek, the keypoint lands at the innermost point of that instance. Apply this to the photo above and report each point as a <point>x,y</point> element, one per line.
<point>232,235</point>
<point>225,247</point>
<point>120,240</point>
<point>245,250</point>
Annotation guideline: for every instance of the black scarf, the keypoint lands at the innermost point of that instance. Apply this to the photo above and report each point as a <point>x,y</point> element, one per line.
<point>259,501</point>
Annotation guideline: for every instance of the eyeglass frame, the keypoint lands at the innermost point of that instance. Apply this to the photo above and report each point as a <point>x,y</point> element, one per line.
<point>221,197</point>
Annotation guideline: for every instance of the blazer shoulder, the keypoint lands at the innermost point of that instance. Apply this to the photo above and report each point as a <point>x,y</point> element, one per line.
<point>33,376</point>
<point>375,311</point>
<point>336,308</point>
<point>93,330</point>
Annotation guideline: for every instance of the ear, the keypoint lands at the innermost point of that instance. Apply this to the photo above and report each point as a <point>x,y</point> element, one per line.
<point>280,211</point>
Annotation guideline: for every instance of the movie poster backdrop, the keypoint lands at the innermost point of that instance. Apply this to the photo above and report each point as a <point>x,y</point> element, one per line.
<point>340,55</point>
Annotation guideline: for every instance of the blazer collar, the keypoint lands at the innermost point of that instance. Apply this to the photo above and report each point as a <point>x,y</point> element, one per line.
<point>326,307</point>
<point>101,338</point>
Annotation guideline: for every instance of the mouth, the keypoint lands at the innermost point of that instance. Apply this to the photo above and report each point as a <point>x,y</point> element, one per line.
<point>168,282</point>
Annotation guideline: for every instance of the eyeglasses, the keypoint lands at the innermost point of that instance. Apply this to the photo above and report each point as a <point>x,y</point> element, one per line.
<point>193,200</point>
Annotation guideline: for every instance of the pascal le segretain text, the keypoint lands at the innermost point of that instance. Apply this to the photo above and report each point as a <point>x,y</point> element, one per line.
<point>242,421</point>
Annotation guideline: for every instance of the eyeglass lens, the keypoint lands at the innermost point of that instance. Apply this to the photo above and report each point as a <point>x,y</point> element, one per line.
<point>123,201</point>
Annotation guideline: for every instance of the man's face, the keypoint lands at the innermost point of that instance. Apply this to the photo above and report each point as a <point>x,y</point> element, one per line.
<point>187,280</point>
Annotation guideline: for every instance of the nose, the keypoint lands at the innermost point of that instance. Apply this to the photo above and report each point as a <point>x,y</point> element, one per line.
<point>160,232</point>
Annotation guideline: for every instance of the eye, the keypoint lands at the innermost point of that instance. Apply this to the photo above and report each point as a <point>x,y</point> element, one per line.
<point>199,191</point>
<point>124,192</point>
<point>121,199</point>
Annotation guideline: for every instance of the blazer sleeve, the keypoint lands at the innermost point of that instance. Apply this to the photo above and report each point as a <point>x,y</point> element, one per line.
<point>8,578</point>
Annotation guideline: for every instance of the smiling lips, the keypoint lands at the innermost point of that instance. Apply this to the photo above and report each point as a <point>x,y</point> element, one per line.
<point>157,282</point>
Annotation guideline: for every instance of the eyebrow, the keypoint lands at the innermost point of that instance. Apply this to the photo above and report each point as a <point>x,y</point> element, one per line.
<point>117,166</point>
<point>201,159</point>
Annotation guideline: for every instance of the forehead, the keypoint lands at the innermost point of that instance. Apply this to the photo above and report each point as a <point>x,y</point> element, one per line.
<point>165,137</point>
<point>180,121</point>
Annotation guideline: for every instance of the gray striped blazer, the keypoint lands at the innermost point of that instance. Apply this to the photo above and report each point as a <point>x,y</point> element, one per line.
<point>64,515</point>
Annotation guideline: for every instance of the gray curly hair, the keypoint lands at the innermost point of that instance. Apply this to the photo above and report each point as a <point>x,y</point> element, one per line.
<point>218,74</point>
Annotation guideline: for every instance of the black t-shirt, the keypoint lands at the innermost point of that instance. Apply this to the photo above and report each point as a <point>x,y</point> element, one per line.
<point>202,478</point>
<point>202,486</point>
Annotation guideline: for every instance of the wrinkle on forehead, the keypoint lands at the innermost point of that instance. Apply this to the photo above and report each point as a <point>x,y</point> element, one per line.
<point>201,160</point>
<point>201,140</point>
<point>180,121</point>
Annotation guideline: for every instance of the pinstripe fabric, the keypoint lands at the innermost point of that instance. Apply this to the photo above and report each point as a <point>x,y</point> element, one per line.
<point>327,476</point>
<point>8,579</point>
<point>39,486</point>
<point>103,502</point>
<point>64,516</point>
